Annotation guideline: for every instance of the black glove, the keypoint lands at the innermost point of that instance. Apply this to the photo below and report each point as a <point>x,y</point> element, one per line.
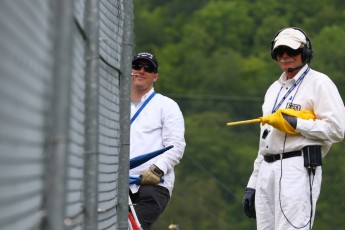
<point>292,120</point>
<point>248,202</point>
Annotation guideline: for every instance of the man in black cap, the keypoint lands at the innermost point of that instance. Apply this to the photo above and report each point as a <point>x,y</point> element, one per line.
<point>156,123</point>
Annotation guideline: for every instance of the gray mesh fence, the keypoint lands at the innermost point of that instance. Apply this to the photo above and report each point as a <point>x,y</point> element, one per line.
<point>61,67</point>
<point>26,73</point>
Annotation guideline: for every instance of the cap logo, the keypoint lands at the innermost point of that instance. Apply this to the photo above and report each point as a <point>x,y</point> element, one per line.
<point>145,54</point>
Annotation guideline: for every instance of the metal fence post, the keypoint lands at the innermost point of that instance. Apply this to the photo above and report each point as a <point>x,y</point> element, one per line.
<point>91,116</point>
<point>127,53</point>
<point>59,123</point>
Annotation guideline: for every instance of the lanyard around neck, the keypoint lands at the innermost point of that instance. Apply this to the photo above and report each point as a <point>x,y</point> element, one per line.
<point>299,80</point>
<point>143,106</point>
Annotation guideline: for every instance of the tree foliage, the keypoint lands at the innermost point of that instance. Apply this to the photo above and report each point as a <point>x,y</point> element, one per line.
<point>214,60</point>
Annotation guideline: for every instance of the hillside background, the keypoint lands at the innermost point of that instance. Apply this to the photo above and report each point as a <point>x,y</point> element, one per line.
<point>214,60</point>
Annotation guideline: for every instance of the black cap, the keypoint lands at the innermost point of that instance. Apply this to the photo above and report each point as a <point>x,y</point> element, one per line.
<point>147,57</point>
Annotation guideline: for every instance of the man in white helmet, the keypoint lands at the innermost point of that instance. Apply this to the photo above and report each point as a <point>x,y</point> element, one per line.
<point>304,115</point>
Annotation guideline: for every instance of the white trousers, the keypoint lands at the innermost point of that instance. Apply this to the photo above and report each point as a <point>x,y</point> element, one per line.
<point>282,198</point>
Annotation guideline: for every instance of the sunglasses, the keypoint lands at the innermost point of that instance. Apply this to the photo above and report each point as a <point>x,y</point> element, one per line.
<point>147,68</point>
<point>291,52</point>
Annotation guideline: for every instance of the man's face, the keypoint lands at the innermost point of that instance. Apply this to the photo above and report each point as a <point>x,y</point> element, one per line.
<point>288,58</point>
<point>144,75</point>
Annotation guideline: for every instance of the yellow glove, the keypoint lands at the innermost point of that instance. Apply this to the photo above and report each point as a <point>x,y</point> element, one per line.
<point>277,120</point>
<point>152,176</point>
